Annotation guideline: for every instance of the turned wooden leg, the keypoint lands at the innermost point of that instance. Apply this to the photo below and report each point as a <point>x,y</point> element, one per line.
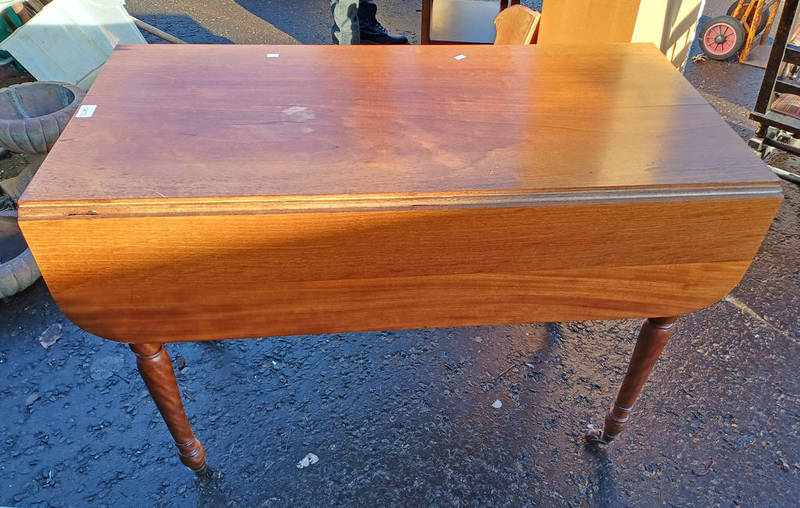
<point>653,337</point>
<point>155,366</point>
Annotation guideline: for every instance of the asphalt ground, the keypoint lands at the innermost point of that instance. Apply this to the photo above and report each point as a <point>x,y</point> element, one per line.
<point>406,418</point>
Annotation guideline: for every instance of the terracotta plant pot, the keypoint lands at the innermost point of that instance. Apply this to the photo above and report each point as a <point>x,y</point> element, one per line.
<point>33,115</point>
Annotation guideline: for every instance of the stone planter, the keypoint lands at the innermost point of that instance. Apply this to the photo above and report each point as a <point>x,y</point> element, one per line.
<point>33,115</point>
<point>18,270</point>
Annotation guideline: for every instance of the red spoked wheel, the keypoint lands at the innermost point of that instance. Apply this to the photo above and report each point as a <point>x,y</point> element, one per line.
<point>722,38</point>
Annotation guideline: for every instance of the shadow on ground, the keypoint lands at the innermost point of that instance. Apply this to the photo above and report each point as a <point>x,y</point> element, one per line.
<point>180,26</point>
<point>304,20</point>
<point>407,417</point>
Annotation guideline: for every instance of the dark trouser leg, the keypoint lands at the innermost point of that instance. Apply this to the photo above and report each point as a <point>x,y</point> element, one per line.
<point>367,12</point>
<point>652,338</point>
<point>345,28</point>
<point>155,366</point>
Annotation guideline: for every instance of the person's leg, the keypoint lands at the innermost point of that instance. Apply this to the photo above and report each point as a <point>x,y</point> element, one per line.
<point>372,32</point>
<point>367,9</point>
<point>346,27</point>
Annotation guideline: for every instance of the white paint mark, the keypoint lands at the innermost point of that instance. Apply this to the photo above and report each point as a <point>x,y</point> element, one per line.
<point>86,111</point>
<point>299,113</point>
<point>50,336</point>
<point>294,110</point>
<point>460,57</point>
<point>273,55</point>
<point>307,461</point>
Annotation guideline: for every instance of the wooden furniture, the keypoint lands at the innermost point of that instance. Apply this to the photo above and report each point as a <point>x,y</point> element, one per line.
<point>460,21</point>
<point>516,25</point>
<point>588,21</point>
<point>217,192</point>
<point>783,52</point>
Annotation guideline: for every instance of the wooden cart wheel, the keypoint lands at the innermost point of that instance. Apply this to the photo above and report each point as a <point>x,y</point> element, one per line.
<point>722,38</point>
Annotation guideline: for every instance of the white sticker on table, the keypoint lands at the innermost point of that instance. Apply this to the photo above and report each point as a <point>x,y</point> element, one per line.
<point>460,57</point>
<point>86,111</point>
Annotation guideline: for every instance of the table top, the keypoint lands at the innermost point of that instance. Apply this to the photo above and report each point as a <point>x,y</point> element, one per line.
<point>177,123</point>
<point>219,192</point>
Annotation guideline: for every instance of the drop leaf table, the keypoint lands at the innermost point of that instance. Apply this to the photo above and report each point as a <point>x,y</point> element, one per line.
<point>212,192</point>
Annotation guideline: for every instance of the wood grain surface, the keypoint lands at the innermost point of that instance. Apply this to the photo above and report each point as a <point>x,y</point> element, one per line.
<point>193,277</point>
<point>588,21</point>
<point>155,366</point>
<point>516,25</point>
<point>217,193</point>
<point>186,121</point>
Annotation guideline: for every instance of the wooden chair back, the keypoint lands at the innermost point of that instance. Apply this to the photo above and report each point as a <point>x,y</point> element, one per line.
<point>427,10</point>
<point>516,25</point>
<point>591,23</point>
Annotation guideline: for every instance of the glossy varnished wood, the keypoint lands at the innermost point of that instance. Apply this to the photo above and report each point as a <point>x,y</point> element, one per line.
<point>516,25</point>
<point>653,336</point>
<point>155,366</point>
<point>192,276</point>
<point>194,121</point>
<point>217,193</point>
<point>588,21</point>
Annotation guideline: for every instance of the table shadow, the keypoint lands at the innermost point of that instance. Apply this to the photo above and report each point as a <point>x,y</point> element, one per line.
<point>607,495</point>
<point>182,27</point>
<point>307,21</point>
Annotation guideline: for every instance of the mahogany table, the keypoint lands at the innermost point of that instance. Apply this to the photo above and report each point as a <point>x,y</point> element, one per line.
<point>241,191</point>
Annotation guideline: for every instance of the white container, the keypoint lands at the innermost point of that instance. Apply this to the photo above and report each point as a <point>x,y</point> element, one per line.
<point>69,40</point>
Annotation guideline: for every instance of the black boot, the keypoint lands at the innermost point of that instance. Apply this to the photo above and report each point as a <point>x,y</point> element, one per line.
<point>372,32</point>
